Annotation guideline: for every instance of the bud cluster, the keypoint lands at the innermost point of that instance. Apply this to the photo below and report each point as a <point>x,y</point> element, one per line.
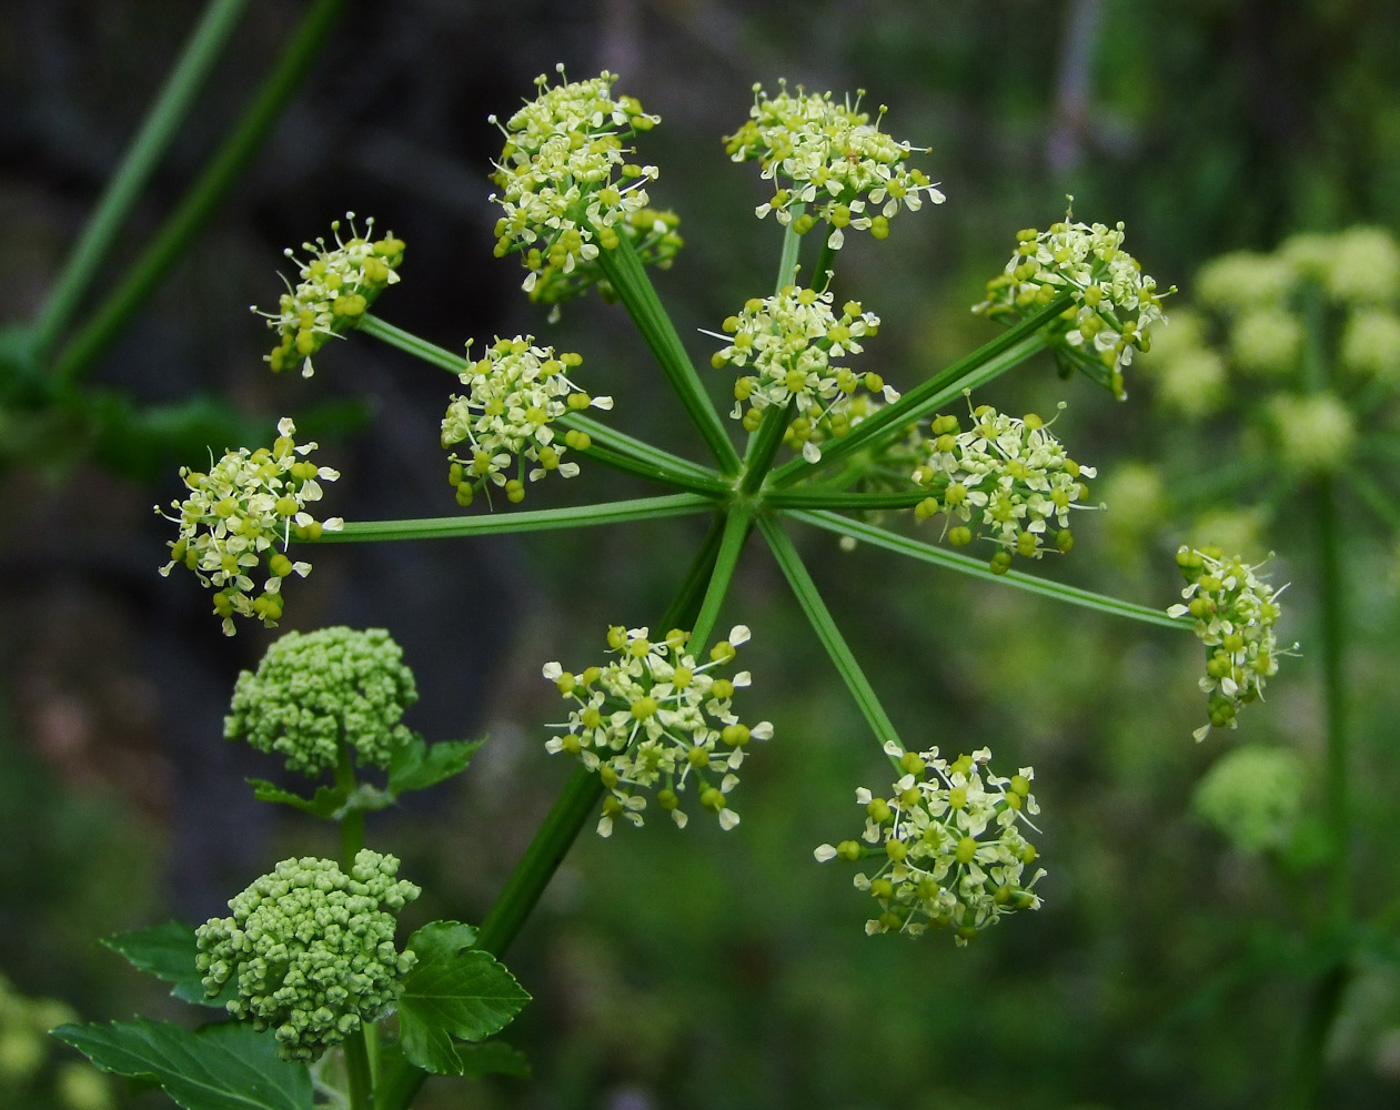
<point>1009,477</point>
<point>336,289</point>
<point>310,950</point>
<point>515,391</point>
<point>789,342</point>
<point>950,844</point>
<point>656,717</point>
<point>236,517</point>
<point>1115,303</point>
<point>829,155</point>
<point>566,186</point>
<point>1234,612</point>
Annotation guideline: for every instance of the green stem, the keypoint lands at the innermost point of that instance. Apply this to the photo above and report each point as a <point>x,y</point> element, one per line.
<point>738,522</point>
<point>629,279</point>
<point>828,633</point>
<point>964,564</point>
<point>1332,597</point>
<point>764,444</point>
<point>792,248</point>
<point>808,498</point>
<point>1009,349</point>
<point>227,165</point>
<point>1375,498</point>
<point>711,485</point>
<point>1308,1065</point>
<point>609,512</point>
<point>162,122</point>
<point>352,840</point>
<point>665,467</point>
<point>579,798</point>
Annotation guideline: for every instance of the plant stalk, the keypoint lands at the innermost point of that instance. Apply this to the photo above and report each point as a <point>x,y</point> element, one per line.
<point>189,218</point>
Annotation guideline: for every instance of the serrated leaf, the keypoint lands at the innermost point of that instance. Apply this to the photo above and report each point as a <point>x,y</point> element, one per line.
<point>168,952</point>
<point>220,1067</point>
<point>454,991</point>
<point>417,766</point>
<point>326,802</point>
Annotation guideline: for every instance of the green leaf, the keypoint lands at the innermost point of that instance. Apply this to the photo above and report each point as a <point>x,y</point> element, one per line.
<point>168,952</point>
<point>220,1067</point>
<point>454,992</point>
<point>492,1057</point>
<point>417,766</point>
<point>328,801</point>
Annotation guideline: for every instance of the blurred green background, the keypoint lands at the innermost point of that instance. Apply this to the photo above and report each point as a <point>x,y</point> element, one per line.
<point>696,969</point>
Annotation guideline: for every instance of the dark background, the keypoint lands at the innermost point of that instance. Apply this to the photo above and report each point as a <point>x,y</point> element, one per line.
<point>694,969</point>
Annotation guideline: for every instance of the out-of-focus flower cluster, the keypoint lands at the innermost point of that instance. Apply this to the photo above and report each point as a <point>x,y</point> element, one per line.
<point>315,691</point>
<point>338,284</point>
<point>566,187</point>
<point>1234,610</point>
<point>1008,478</point>
<point>310,950</point>
<point>515,391</point>
<point>1115,304</point>
<point>950,844</point>
<point>829,155</point>
<point>238,515</point>
<point>1254,797</point>
<point>656,717</point>
<point>789,342</point>
<point>1255,312</point>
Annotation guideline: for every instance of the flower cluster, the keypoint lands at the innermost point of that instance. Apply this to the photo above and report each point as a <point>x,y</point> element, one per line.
<point>655,716</point>
<point>1234,611</point>
<point>1114,303</point>
<point>789,341</point>
<point>566,186</point>
<point>1009,476</point>
<point>310,950</point>
<point>829,155</point>
<point>950,843</point>
<point>654,237</point>
<point>239,513</point>
<point>1254,796</point>
<point>314,691</point>
<point>514,393</point>
<point>337,287</point>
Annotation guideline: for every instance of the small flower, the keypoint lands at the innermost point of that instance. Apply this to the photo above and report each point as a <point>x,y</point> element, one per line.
<point>788,342</point>
<point>949,844</point>
<point>1234,612</point>
<point>314,692</point>
<point>1371,344</point>
<point>657,717</point>
<point>1266,341</point>
<point>238,515</point>
<point>336,289</point>
<point>1011,477</point>
<point>1115,303</point>
<point>829,155</point>
<point>515,393</point>
<point>567,188</point>
<point>655,239</point>
<point>310,950</point>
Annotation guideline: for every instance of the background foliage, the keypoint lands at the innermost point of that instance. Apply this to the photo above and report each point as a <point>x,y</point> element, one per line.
<point>696,969</point>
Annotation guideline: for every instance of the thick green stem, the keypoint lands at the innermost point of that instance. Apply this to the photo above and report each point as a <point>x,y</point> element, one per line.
<point>352,840</point>
<point>629,279</point>
<point>540,520</point>
<point>787,260</point>
<point>227,165</point>
<point>579,798</point>
<point>829,634</point>
<point>813,498</point>
<point>738,522</point>
<point>764,445</point>
<point>1309,1062</point>
<point>826,264</point>
<point>166,115</point>
<point>1009,349</point>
